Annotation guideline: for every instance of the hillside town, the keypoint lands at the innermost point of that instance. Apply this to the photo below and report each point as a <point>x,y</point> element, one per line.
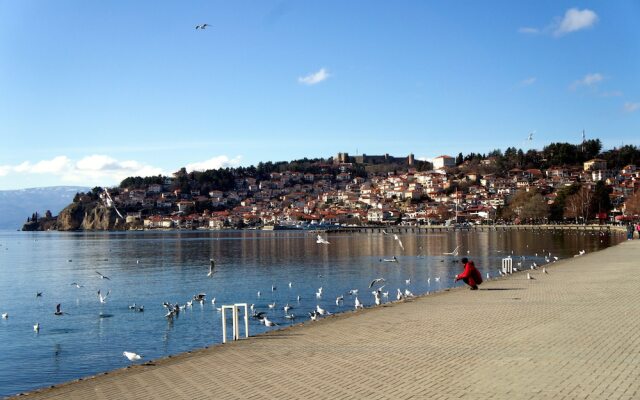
<point>344,191</point>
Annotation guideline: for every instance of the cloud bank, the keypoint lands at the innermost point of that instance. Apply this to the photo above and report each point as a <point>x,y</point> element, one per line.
<point>214,163</point>
<point>95,169</point>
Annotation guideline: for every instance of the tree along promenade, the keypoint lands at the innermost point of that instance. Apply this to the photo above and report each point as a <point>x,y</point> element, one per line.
<point>573,333</point>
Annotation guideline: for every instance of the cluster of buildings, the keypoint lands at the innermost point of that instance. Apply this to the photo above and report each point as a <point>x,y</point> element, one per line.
<point>445,194</point>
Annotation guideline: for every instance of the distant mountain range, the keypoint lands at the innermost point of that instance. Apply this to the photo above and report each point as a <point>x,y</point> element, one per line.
<point>17,205</point>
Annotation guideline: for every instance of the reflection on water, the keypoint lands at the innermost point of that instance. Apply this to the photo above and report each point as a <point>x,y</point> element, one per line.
<point>149,268</point>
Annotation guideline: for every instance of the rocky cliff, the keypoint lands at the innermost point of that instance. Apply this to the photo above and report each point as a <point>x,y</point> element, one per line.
<point>89,216</point>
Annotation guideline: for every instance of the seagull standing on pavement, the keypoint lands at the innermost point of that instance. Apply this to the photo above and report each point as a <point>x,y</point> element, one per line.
<point>358,304</point>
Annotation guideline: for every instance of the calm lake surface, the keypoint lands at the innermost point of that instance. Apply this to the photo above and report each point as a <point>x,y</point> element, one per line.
<point>149,268</point>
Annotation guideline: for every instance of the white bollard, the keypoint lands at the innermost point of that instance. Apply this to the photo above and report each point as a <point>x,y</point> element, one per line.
<point>234,318</point>
<point>507,265</point>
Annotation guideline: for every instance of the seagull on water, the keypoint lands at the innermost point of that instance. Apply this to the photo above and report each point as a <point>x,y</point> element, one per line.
<point>286,308</point>
<point>77,285</point>
<point>5,315</point>
<point>321,240</point>
<point>103,276</point>
<point>131,356</point>
<point>212,265</point>
<point>313,315</point>
<point>408,293</point>
<point>376,297</point>
<point>407,281</point>
<point>339,300</point>
<point>399,295</point>
<point>353,292</point>
<point>376,281</point>
<point>36,327</point>
<point>267,322</point>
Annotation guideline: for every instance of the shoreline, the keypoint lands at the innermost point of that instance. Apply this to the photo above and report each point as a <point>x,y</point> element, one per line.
<point>303,328</point>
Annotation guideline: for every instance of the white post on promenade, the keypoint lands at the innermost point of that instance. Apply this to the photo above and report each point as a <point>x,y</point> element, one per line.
<point>235,327</point>
<point>507,265</point>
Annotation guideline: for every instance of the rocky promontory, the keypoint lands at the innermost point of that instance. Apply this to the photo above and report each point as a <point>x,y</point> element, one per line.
<point>80,216</point>
<point>92,216</point>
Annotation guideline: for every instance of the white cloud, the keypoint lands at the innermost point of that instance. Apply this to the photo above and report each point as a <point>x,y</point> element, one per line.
<point>214,163</point>
<point>529,81</point>
<point>91,170</point>
<point>529,31</point>
<point>314,78</point>
<point>631,107</point>
<point>588,80</point>
<point>575,20</point>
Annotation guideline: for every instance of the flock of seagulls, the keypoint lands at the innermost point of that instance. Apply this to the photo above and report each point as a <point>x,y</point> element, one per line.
<point>269,317</point>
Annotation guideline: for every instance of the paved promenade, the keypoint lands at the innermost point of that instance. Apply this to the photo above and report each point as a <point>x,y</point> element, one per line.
<point>571,334</point>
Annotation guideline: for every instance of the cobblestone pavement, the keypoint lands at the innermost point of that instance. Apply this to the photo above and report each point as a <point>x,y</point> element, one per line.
<point>573,333</point>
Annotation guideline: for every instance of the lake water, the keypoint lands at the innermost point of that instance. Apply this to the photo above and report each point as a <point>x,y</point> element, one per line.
<point>149,268</point>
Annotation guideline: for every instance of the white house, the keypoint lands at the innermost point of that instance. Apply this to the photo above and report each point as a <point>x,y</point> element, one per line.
<point>443,161</point>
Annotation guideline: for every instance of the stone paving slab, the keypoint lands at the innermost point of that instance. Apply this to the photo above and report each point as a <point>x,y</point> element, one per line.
<point>573,333</point>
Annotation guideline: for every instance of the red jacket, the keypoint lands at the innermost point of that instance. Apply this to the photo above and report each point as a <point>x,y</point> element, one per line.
<point>470,272</point>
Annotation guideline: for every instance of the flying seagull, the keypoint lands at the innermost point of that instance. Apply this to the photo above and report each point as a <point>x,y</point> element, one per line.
<point>131,356</point>
<point>322,240</point>
<point>203,26</point>
<point>454,252</point>
<point>103,276</point>
<point>376,281</point>
<point>58,311</point>
<point>395,237</point>
<point>103,299</point>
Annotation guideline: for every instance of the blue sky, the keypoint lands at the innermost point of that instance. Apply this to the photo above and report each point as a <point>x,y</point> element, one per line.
<point>94,91</point>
